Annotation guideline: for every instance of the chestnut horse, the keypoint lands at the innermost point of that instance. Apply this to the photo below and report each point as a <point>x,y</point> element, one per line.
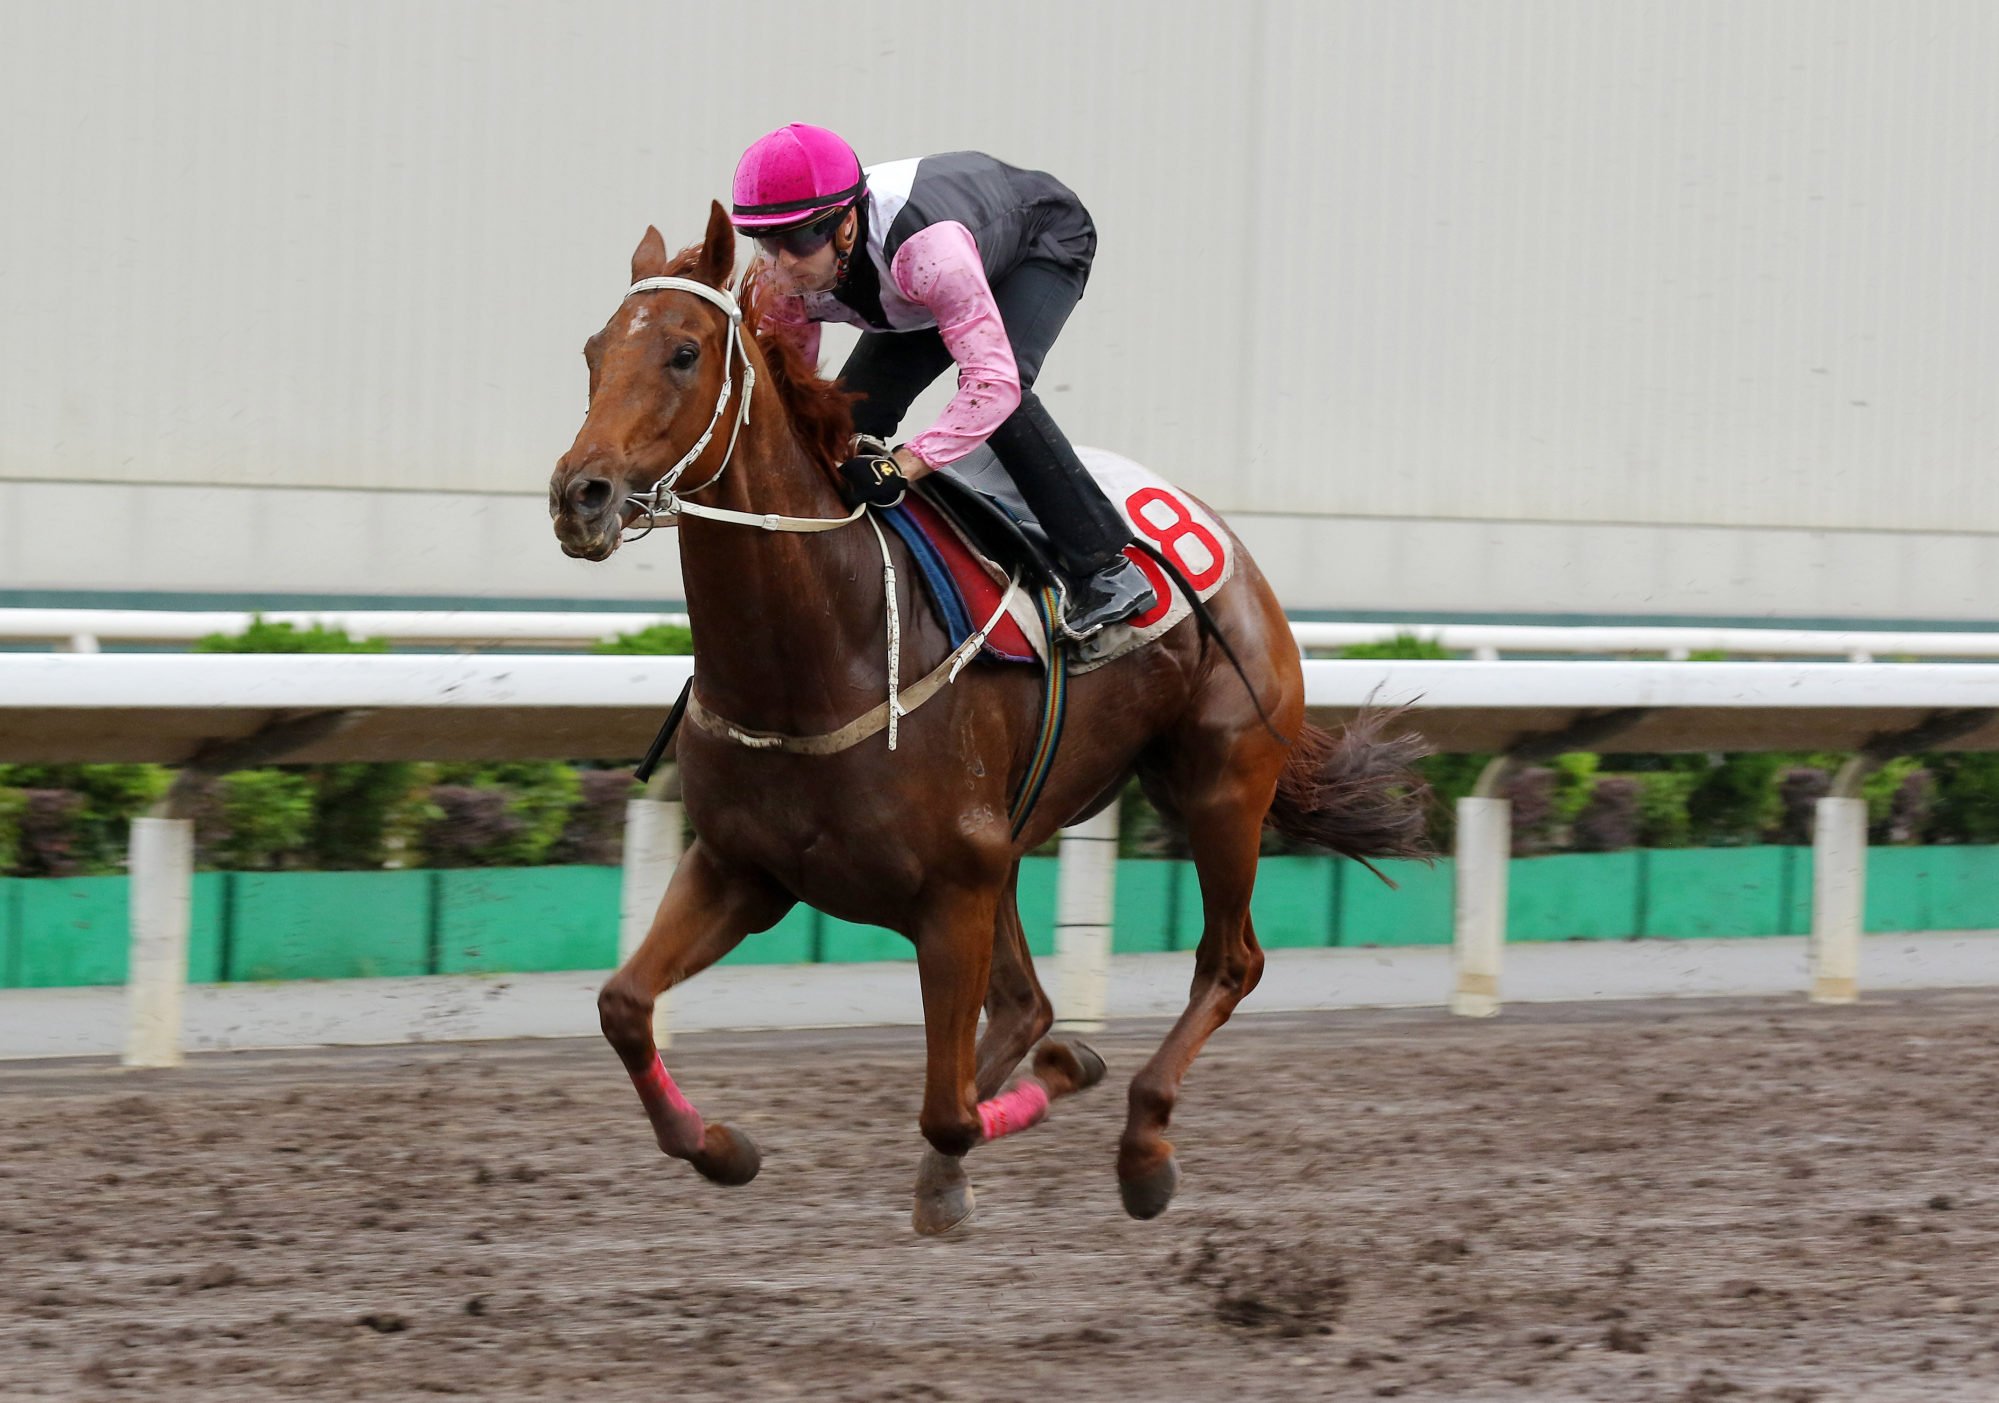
<point>789,640</point>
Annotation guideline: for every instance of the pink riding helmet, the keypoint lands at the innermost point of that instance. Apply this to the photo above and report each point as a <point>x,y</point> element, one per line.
<point>793,176</point>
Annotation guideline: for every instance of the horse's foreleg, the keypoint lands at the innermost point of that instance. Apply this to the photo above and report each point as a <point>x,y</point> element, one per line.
<point>1018,1015</point>
<point>954,960</point>
<point>1223,833</point>
<point>703,916</point>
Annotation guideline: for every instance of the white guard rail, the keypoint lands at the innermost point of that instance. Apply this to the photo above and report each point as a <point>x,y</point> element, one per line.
<point>226,710</point>
<point>86,630</point>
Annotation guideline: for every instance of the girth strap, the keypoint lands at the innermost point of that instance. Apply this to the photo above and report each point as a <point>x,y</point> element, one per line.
<point>660,742</point>
<point>1054,711</point>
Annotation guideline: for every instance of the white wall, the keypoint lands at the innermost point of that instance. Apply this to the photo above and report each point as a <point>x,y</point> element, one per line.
<point>1667,306</point>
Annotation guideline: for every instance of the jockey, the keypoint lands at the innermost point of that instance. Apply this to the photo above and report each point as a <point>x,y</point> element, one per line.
<point>957,258</point>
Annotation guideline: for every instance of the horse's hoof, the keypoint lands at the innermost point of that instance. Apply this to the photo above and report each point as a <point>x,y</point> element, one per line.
<point>944,1197</point>
<point>1068,1060</point>
<point>727,1156</point>
<point>937,1213</point>
<point>1148,1194</point>
<point>1093,1063</point>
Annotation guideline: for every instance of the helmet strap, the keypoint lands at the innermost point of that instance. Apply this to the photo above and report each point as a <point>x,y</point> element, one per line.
<point>844,239</point>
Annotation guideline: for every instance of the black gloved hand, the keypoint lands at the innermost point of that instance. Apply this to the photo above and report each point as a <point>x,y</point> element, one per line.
<point>874,478</point>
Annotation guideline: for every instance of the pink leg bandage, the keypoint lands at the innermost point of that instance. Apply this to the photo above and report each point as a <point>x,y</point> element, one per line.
<point>674,1120</point>
<point>1010,1111</point>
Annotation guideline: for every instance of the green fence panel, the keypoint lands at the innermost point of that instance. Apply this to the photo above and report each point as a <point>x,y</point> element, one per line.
<point>1942,888</point>
<point>1898,889</point>
<point>1144,918</point>
<point>510,919</point>
<point>330,925</point>
<point>11,897</point>
<point>789,942</point>
<point>1575,896</point>
<point>1292,905</point>
<point>1418,912</point>
<point>1964,887</point>
<point>1698,893</point>
<point>1037,903</point>
<point>57,932</point>
<point>847,942</point>
<point>1797,913</point>
<point>204,936</point>
<point>74,930</point>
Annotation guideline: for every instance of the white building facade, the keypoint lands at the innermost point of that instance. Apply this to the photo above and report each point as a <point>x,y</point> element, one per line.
<point>1664,309</point>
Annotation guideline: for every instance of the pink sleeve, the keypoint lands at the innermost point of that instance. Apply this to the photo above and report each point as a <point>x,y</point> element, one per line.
<point>939,266</point>
<point>787,316</point>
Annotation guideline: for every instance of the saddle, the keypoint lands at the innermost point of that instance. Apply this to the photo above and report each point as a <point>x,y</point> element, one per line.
<point>970,530</point>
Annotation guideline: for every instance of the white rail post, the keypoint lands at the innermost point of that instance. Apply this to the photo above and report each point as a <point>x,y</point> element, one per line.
<point>162,856</point>
<point>1085,900</point>
<point>1485,846</point>
<point>1839,898</point>
<point>652,851</point>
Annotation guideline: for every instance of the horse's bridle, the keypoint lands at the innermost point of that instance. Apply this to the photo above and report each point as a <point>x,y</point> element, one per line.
<point>662,499</point>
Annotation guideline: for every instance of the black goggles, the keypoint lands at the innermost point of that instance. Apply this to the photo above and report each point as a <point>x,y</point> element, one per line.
<point>806,239</point>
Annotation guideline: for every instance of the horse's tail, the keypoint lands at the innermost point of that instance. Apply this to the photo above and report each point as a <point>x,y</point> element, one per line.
<point>1356,792</point>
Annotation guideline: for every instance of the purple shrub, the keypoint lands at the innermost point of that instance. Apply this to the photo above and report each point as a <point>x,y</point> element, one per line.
<point>1798,791</point>
<point>1531,791</point>
<point>211,822</point>
<point>1910,808</point>
<point>595,833</point>
<point>51,833</point>
<point>1609,822</point>
<point>473,827</point>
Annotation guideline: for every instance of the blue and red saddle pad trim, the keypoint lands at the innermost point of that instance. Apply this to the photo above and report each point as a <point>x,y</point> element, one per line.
<point>964,594</point>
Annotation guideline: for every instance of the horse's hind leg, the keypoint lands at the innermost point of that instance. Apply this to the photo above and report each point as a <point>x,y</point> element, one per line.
<point>703,916</point>
<point>1018,1015</point>
<point>1224,825</point>
<point>1017,1011</point>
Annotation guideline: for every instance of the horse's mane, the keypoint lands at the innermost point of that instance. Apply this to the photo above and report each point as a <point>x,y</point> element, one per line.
<point>820,411</point>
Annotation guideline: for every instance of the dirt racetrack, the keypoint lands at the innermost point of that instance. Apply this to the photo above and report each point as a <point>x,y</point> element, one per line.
<point>1740,1201</point>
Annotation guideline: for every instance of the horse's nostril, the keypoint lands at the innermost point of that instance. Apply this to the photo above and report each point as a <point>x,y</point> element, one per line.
<point>591,495</point>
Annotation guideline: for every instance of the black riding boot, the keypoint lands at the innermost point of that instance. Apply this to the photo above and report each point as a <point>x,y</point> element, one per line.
<point>1089,537</point>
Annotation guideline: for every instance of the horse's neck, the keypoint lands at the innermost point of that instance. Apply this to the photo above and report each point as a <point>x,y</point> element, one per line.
<point>788,625</point>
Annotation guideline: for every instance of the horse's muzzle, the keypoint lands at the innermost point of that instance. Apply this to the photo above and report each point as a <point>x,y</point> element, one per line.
<point>590,552</point>
<point>589,519</point>
<point>591,538</point>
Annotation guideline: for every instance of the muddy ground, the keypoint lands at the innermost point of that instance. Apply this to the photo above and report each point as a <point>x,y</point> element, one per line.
<point>1739,1201</point>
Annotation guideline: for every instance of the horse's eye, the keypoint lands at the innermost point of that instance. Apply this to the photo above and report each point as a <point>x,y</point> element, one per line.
<point>684,358</point>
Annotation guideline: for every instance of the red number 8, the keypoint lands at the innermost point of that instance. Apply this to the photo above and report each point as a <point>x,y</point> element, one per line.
<point>1169,535</point>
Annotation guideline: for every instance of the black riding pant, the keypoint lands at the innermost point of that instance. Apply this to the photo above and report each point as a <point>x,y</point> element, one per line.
<point>891,368</point>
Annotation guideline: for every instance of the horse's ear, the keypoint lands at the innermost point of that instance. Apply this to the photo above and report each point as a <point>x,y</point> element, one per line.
<point>718,249</point>
<point>649,258</point>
